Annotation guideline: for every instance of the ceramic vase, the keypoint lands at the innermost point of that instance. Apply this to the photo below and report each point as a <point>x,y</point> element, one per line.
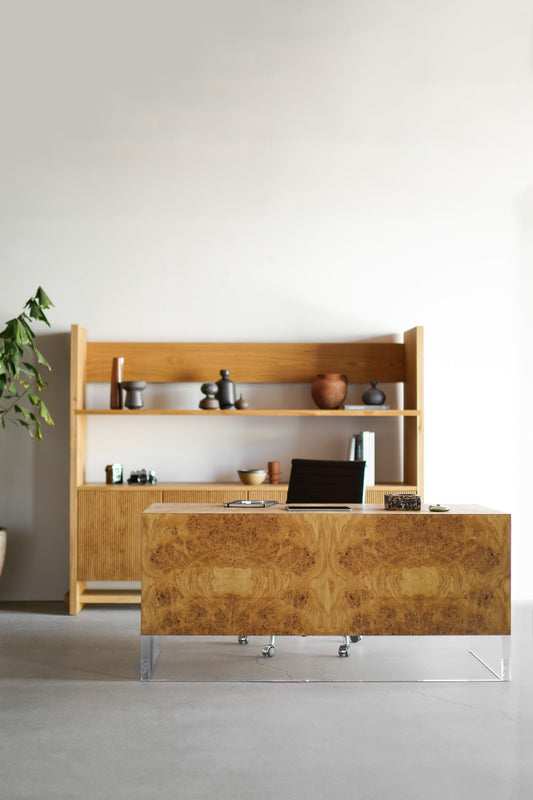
<point>374,396</point>
<point>329,390</point>
<point>134,393</point>
<point>226,394</point>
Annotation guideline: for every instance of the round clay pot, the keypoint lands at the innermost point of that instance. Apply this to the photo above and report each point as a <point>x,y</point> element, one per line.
<point>329,390</point>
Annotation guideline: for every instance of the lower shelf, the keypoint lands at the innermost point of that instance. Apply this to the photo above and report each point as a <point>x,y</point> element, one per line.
<point>108,596</point>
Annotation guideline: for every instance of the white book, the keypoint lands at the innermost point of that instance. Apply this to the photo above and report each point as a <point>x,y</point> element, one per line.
<point>369,455</point>
<point>362,447</point>
<point>366,408</point>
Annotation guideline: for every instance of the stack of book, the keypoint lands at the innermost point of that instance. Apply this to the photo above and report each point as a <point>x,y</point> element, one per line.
<point>363,448</point>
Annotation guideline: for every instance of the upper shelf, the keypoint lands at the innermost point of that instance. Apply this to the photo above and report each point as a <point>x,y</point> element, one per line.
<point>275,412</point>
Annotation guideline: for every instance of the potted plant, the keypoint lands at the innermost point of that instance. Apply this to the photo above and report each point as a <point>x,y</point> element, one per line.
<point>21,382</point>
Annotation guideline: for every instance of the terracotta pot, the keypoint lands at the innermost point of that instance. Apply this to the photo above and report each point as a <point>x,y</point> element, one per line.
<point>329,390</point>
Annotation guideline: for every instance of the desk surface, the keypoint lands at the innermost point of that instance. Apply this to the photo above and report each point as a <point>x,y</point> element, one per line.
<point>209,570</point>
<point>368,509</point>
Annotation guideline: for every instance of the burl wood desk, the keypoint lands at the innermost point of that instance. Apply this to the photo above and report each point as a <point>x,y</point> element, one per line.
<point>211,570</point>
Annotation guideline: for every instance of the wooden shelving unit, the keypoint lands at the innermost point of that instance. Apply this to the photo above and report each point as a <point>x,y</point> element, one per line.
<point>105,520</point>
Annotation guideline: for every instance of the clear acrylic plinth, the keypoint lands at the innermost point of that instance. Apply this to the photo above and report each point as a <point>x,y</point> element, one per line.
<point>315,659</point>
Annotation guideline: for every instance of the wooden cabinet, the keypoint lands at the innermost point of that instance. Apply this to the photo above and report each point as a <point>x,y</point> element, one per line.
<point>105,520</point>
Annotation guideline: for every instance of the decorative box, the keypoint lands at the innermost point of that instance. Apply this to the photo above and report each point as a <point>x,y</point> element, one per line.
<point>403,502</point>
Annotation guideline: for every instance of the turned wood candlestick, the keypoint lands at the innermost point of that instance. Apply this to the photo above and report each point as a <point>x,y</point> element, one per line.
<point>273,472</point>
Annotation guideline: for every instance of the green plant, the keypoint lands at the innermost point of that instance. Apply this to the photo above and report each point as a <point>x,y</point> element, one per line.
<point>21,382</point>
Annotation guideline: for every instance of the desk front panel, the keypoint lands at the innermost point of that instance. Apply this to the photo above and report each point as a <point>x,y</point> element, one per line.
<point>208,570</point>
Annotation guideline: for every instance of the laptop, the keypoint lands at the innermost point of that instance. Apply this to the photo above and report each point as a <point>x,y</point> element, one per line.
<point>325,485</point>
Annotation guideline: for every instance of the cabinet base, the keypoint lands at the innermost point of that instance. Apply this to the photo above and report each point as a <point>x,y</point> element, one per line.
<point>104,596</point>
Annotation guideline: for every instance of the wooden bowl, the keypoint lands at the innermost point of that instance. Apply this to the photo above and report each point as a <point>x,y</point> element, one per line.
<point>252,477</point>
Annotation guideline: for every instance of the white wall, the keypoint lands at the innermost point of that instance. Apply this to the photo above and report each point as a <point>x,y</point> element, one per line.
<point>279,171</point>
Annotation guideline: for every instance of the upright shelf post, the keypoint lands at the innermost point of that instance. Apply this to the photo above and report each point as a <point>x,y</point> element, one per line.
<point>78,454</point>
<point>413,445</point>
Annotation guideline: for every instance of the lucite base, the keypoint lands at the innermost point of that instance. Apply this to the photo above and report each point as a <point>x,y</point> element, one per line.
<point>311,659</point>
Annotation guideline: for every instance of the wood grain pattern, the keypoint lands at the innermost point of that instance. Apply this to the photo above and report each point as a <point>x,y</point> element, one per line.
<point>261,362</point>
<point>208,570</point>
<point>109,533</point>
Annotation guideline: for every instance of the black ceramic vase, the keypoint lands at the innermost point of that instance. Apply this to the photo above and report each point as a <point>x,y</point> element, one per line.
<point>374,396</point>
<point>134,393</point>
<point>226,394</point>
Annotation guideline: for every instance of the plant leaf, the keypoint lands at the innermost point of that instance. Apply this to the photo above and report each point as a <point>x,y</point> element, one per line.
<point>35,311</point>
<point>20,410</point>
<point>43,298</point>
<point>41,359</point>
<point>24,321</point>
<point>17,376</point>
<point>16,331</point>
<point>30,369</point>
<point>45,414</point>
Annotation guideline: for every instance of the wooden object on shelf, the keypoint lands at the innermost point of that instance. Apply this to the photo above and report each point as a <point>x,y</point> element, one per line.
<point>273,471</point>
<point>104,530</point>
<point>117,369</point>
<point>215,571</point>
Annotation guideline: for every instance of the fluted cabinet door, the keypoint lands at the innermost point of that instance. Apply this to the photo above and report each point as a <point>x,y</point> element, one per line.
<point>109,533</point>
<point>203,494</point>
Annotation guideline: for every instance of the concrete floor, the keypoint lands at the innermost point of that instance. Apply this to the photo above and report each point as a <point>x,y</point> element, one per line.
<point>75,722</point>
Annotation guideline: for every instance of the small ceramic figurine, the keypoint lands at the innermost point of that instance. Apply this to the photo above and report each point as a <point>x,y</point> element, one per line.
<point>209,401</point>
<point>241,403</point>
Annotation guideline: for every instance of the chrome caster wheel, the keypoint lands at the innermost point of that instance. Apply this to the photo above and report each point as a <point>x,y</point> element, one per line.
<point>243,640</point>
<point>269,650</point>
<point>344,650</point>
<point>355,639</point>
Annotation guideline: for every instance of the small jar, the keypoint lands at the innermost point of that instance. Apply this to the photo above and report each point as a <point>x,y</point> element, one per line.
<point>134,393</point>
<point>374,396</point>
